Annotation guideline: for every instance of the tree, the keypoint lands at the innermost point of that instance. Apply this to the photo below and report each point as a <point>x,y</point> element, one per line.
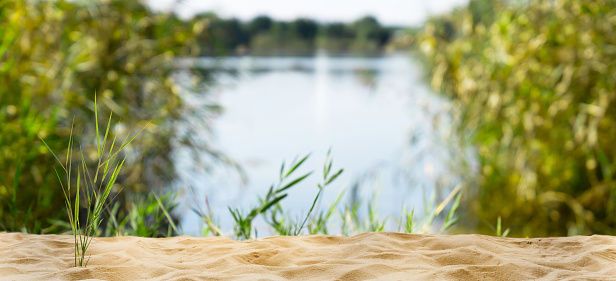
<point>304,28</point>
<point>259,24</point>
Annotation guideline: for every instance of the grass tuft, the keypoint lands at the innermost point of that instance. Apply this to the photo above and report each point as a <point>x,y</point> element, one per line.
<point>92,192</point>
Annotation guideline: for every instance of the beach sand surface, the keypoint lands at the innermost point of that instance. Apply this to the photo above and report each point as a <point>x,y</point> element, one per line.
<point>368,256</point>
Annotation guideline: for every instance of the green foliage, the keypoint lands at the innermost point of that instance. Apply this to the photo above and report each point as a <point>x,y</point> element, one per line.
<point>92,190</point>
<point>534,90</point>
<point>55,55</point>
<point>319,223</point>
<point>349,220</point>
<point>243,222</point>
<point>498,229</point>
<point>19,220</point>
<point>228,35</point>
<point>211,227</point>
<point>26,82</point>
<point>408,221</point>
<point>327,179</point>
<point>259,24</point>
<point>354,223</point>
<point>147,216</point>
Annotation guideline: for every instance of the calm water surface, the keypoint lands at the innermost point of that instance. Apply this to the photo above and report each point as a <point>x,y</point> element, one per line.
<point>385,128</point>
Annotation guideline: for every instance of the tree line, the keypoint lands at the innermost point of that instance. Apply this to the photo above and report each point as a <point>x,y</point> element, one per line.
<point>264,35</point>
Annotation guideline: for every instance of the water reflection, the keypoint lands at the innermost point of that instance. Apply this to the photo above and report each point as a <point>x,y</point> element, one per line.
<point>375,113</point>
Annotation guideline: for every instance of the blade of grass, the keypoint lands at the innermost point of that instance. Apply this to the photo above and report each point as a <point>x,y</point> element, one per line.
<point>166,213</point>
<point>100,151</point>
<point>294,182</point>
<point>125,144</point>
<point>314,202</point>
<point>296,165</point>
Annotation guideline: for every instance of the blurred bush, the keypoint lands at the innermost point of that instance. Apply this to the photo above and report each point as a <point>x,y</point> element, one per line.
<point>54,57</point>
<point>533,85</point>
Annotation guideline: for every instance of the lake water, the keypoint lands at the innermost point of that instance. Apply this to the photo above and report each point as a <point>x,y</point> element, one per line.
<point>383,125</point>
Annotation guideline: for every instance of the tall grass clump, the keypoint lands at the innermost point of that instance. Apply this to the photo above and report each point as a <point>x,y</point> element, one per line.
<point>243,222</point>
<point>92,192</point>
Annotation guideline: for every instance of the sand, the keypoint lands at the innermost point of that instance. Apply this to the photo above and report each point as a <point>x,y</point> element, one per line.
<point>383,256</point>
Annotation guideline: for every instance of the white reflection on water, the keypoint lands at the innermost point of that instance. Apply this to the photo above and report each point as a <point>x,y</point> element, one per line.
<point>384,126</point>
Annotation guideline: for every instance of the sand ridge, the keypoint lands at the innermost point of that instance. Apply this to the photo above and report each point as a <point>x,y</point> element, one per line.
<point>368,256</point>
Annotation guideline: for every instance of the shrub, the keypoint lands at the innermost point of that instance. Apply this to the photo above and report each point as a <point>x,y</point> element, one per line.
<point>534,89</point>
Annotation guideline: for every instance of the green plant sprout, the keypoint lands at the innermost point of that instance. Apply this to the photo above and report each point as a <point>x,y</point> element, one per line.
<point>243,223</point>
<point>408,220</point>
<point>95,195</point>
<point>498,229</point>
<point>211,226</point>
<point>327,179</point>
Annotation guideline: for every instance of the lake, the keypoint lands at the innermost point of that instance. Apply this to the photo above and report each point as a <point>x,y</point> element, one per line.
<point>385,127</point>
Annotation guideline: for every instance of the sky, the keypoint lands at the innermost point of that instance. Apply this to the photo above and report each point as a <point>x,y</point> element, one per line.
<point>388,12</point>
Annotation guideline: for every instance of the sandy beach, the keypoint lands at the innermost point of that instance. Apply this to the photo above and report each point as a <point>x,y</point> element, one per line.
<point>382,256</point>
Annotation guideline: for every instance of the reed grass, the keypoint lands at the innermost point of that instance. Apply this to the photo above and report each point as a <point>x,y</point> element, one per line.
<point>92,192</point>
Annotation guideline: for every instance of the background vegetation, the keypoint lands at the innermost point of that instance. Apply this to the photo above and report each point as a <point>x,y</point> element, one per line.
<point>55,57</point>
<point>533,87</point>
<point>265,36</point>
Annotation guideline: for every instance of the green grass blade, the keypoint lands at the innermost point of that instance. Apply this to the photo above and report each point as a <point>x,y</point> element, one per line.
<point>281,171</point>
<point>454,207</point>
<point>52,153</point>
<point>327,168</point>
<point>125,144</point>
<point>111,150</point>
<point>410,222</point>
<point>166,213</point>
<point>332,208</point>
<point>334,176</point>
<point>451,195</point>
<point>103,148</point>
<point>27,218</point>
<point>99,204</point>
<point>271,203</point>
<point>69,150</point>
<point>294,182</point>
<point>98,141</point>
<point>314,202</point>
<point>77,200</point>
<point>100,151</point>
<point>66,197</point>
<point>86,176</point>
<point>296,165</point>
<point>450,224</point>
<point>16,180</point>
<point>107,132</point>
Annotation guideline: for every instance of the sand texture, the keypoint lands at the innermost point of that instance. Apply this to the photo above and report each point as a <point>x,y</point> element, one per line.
<point>383,256</point>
